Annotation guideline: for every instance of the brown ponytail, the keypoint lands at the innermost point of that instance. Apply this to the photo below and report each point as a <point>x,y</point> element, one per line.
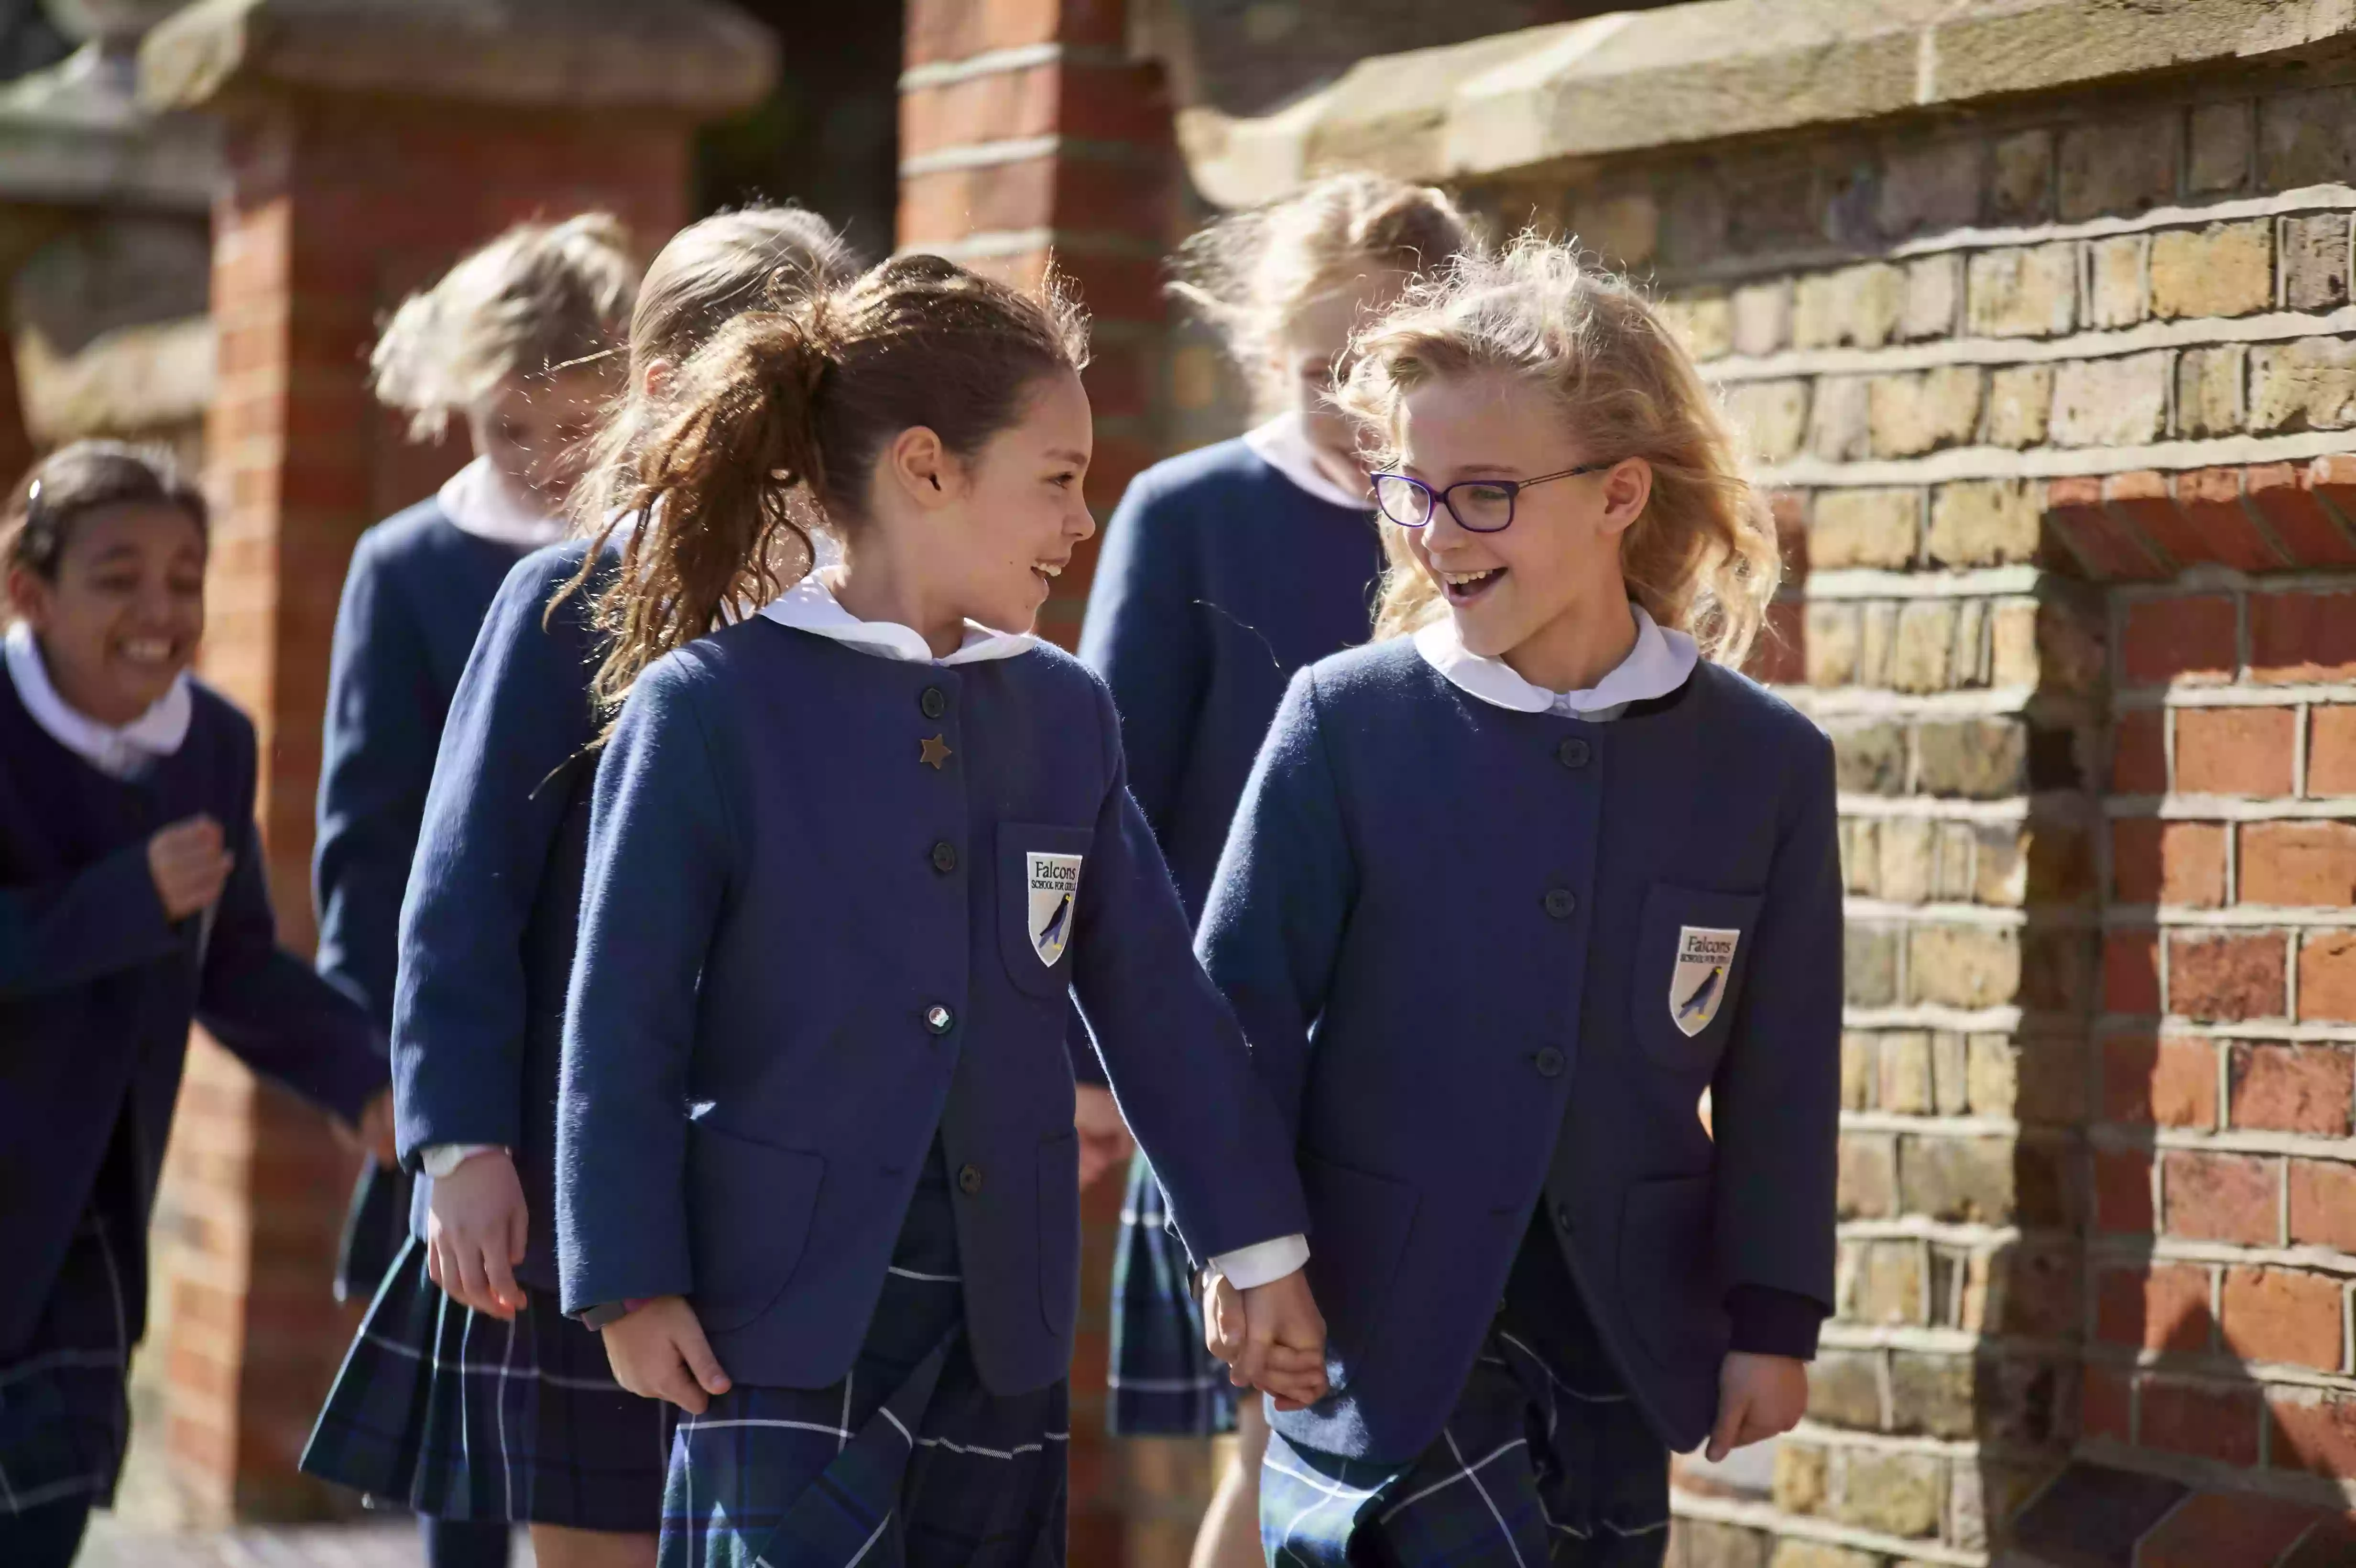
<point>773,425</point>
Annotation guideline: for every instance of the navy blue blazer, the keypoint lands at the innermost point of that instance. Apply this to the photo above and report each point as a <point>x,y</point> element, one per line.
<point>1218,579</point>
<point>805,953</point>
<point>1452,934</point>
<point>488,928</point>
<point>413,599</point>
<point>98,989</point>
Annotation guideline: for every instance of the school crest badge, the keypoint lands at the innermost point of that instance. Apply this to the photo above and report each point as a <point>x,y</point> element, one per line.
<point>1053,882</point>
<point>1697,983</point>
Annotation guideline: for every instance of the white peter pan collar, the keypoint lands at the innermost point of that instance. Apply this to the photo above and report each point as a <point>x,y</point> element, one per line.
<point>810,606</point>
<point>473,499</point>
<point>1656,665</point>
<point>1283,445</point>
<point>119,752</point>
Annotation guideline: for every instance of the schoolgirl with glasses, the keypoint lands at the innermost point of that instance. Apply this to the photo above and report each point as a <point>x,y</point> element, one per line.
<point>1510,889</point>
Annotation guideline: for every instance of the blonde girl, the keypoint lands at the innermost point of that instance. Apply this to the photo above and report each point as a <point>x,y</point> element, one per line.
<point>1224,570</point>
<point>1509,889</point>
<point>851,856</point>
<point>456,1400</point>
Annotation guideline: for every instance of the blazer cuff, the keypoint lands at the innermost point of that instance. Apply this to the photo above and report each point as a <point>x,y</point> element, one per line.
<point>1263,1263</point>
<point>1771,1322</point>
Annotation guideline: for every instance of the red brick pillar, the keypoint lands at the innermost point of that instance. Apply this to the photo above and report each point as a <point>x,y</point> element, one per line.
<point>1026,133</point>
<point>364,154</point>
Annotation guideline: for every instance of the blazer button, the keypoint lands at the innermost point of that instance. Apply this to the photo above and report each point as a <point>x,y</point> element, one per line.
<point>1562,902</point>
<point>934,702</point>
<point>1548,1062</point>
<point>944,857</point>
<point>970,1180</point>
<point>1562,1218</point>
<point>939,1018</point>
<point>1572,753</point>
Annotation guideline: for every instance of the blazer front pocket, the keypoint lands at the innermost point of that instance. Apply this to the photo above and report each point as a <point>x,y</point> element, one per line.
<point>748,1206</point>
<point>1039,885</point>
<point>1668,1271</point>
<point>1693,949</point>
<point>1059,1231</point>
<point>1362,1222</point>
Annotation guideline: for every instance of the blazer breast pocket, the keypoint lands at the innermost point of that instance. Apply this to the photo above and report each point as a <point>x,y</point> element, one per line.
<point>1040,869</point>
<point>1693,949</point>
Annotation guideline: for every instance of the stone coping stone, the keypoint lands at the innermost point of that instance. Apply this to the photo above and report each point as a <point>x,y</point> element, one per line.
<point>1630,81</point>
<point>700,59</point>
<point>74,135</point>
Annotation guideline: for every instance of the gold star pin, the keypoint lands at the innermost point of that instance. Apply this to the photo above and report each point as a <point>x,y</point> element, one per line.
<point>934,751</point>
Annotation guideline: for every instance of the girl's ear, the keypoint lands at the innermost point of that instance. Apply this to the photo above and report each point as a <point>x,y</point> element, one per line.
<point>1627,487</point>
<point>29,596</point>
<point>921,466</point>
<point>659,372</point>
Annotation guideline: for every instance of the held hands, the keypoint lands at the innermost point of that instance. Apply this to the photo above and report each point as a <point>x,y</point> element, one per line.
<point>659,1353</point>
<point>1272,1336</point>
<point>190,863</point>
<point>475,1231</point>
<point>1758,1397</point>
<point>1104,1136</point>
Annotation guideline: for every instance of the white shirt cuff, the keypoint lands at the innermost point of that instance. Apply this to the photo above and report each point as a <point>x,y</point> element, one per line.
<point>1263,1263</point>
<point>441,1160</point>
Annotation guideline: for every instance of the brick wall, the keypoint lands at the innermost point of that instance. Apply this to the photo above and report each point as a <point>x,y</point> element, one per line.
<point>1027,135</point>
<point>2056,402</point>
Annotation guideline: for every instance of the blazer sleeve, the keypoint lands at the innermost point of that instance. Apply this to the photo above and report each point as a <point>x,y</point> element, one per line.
<point>1286,884</point>
<point>660,848</point>
<point>1775,1104</point>
<point>65,932</point>
<point>270,1009</point>
<point>501,790</point>
<point>1179,1066</point>
<point>376,759</point>
<point>1143,636</point>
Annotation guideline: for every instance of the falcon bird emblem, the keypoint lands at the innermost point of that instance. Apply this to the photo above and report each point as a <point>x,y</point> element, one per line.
<point>1697,983</point>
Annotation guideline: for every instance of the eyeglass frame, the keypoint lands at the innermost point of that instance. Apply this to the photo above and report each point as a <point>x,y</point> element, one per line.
<point>1434,498</point>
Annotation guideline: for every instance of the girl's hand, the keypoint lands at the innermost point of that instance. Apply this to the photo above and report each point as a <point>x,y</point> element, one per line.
<point>659,1353</point>
<point>1104,1136</point>
<point>1273,1338</point>
<point>475,1231</point>
<point>1758,1397</point>
<point>190,864</point>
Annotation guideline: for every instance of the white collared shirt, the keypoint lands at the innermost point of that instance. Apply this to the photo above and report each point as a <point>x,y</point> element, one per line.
<point>811,606</point>
<point>119,752</point>
<point>1283,445</point>
<point>473,499</point>
<point>1656,665</point>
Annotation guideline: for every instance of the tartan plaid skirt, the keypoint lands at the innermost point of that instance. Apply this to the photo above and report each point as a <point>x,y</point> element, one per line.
<point>1546,1459</point>
<point>64,1413</point>
<point>455,1415</point>
<point>909,1462</point>
<point>1164,1383</point>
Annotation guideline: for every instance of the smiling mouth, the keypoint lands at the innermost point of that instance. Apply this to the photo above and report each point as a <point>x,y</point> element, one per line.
<point>145,650</point>
<point>1464,587</point>
<point>1047,572</point>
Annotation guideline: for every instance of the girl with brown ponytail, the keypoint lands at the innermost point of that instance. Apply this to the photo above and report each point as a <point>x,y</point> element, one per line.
<point>851,856</point>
